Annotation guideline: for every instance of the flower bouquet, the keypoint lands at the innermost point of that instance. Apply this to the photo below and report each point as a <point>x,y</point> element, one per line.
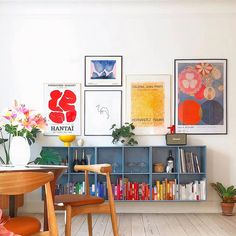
<point>19,121</point>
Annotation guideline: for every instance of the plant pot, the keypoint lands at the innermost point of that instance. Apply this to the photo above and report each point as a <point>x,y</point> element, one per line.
<point>19,151</point>
<point>227,208</point>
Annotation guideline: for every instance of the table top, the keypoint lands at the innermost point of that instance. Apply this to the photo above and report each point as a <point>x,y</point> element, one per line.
<point>31,167</point>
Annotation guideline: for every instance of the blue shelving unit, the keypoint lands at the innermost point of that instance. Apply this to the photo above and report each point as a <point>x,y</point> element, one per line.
<point>135,163</point>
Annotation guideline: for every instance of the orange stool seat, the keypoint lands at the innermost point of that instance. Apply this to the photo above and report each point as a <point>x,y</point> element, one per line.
<point>30,225</point>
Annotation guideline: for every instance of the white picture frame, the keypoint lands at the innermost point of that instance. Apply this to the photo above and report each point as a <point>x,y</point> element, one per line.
<point>102,109</point>
<point>144,94</point>
<point>62,103</point>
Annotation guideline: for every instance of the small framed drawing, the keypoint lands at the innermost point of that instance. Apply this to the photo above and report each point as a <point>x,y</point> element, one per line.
<point>148,103</point>
<point>102,109</point>
<point>62,104</point>
<point>103,71</point>
<point>201,96</point>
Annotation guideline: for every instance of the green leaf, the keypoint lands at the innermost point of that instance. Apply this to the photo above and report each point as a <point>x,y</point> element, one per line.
<point>48,157</point>
<point>3,140</point>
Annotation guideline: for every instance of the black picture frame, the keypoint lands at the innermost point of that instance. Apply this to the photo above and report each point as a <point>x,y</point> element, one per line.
<point>97,110</point>
<point>88,82</point>
<point>223,78</point>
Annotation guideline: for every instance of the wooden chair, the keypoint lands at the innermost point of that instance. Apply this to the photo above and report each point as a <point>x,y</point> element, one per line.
<point>85,204</point>
<point>15,183</point>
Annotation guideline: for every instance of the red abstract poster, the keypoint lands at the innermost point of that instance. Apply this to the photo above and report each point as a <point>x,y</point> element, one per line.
<point>62,103</point>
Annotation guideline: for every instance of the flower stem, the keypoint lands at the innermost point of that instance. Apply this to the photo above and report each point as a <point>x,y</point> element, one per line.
<point>5,150</point>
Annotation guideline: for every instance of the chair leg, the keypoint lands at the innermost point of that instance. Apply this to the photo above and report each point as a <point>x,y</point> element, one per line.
<point>114,222</point>
<point>90,230</point>
<point>68,221</point>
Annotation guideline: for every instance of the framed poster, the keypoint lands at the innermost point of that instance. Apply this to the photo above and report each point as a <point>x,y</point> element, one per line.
<point>103,71</point>
<point>201,96</point>
<point>62,104</point>
<point>148,103</point>
<point>102,109</point>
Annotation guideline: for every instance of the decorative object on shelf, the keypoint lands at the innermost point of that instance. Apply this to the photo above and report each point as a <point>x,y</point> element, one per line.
<point>67,139</point>
<point>124,134</point>
<point>170,163</point>
<point>159,167</point>
<point>62,108</point>
<point>103,71</point>
<point>102,109</point>
<point>201,96</point>
<point>227,195</point>
<point>22,125</point>
<point>80,142</point>
<point>176,139</point>
<point>148,103</point>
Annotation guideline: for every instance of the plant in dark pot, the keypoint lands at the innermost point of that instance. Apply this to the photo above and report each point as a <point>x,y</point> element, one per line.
<point>227,195</point>
<point>124,134</point>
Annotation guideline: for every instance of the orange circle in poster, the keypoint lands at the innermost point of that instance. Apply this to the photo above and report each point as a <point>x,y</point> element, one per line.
<point>189,112</point>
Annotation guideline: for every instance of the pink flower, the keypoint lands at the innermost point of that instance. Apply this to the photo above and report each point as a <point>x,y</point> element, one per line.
<point>204,68</point>
<point>190,81</point>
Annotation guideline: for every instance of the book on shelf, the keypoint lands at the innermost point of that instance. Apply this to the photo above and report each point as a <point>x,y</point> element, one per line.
<point>165,190</point>
<point>193,191</point>
<point>73,188</point>
<point>189,162</point>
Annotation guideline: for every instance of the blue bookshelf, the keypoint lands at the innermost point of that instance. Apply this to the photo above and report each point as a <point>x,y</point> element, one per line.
<point>135,164</point>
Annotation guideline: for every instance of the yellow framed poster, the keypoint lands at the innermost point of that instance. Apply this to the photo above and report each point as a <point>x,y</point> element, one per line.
<point>148,103</point>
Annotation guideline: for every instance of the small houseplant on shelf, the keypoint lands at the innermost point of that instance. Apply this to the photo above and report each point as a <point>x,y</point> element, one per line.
<point>124,134</point>
<point>227,195</point>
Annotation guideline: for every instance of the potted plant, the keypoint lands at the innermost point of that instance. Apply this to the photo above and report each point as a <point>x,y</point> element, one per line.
<point>124,134</point>
<point>227,195</point>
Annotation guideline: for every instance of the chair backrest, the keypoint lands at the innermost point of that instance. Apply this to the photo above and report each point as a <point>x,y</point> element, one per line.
<point>15,183</point>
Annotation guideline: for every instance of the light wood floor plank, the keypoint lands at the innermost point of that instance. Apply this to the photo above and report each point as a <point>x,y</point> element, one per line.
<point>224,225</point>
<point>186,224</point>
<point>162,225</point>
<point>100,226</point>
<point>109,230</point>
<point>125,227</point>
<point>153,225</point>
<point>208,219</point>
<point>174,225</point>
<point>137,225</point>
<point>149,225</point>
<point>203,228</point>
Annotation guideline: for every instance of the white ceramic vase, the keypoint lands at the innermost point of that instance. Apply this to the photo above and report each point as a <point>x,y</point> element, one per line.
<point>19,151</point>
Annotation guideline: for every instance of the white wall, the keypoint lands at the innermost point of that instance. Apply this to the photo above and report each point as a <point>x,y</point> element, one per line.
<point>47,42</point>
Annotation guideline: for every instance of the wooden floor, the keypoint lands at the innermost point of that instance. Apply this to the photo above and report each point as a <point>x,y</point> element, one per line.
<point>156,224</point>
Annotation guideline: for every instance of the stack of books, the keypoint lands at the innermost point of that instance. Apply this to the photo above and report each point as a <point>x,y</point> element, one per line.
<point>193,191</point>
<point>165,190</point>
<point>125,190</point>
<point>189,162</point>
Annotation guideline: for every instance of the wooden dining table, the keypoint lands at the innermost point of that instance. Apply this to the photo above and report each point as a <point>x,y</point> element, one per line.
<point>57,171</point>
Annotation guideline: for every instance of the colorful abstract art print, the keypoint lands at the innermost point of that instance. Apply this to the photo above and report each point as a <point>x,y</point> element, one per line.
<point>102,109</point>
<point>201,96</point>
<point>148,103</point>
<point>103,71</point>
<point>62,104</point>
